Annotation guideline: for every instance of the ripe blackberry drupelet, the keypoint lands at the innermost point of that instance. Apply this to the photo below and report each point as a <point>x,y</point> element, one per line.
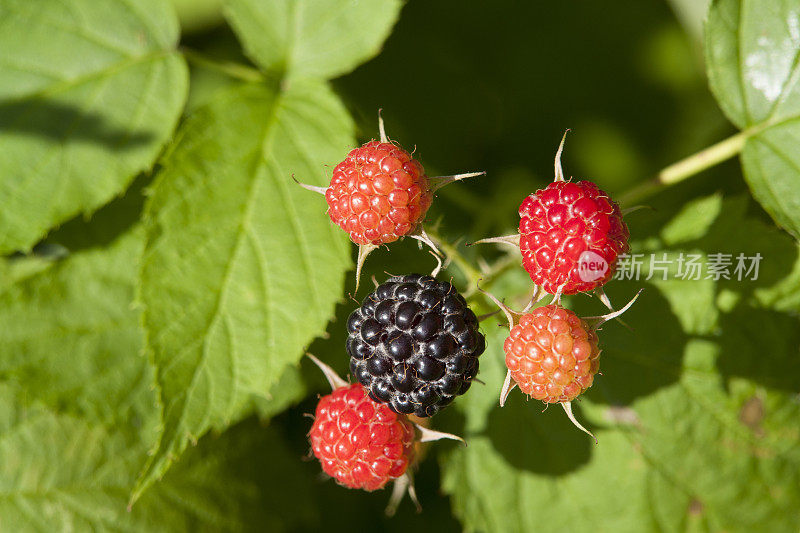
<point>559,225</point>
<point>360,443</point>
<point>414,344</point>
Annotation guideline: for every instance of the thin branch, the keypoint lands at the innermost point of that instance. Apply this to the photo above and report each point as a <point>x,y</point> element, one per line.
<point>690,166</point>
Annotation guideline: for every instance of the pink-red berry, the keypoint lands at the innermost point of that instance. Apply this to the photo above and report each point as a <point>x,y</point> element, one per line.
<point>360,443</point>
<point>378,194</point>
<point>552,354</point>
<point>571,235</point>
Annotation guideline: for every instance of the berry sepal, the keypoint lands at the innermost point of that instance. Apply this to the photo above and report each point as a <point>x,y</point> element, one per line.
<point>431,435</point>
<point>334,380</point>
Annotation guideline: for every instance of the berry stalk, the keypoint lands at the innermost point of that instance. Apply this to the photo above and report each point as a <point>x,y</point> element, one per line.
<point>690,166</point>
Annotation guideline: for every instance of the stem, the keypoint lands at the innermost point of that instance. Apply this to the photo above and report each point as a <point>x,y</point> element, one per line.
<point>229,68</point>
<point>689,166</point>
<point>455,256</point>
<point>472,274</point>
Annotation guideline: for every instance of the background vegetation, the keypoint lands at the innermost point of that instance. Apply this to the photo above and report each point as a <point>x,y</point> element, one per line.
<point>162,275</point>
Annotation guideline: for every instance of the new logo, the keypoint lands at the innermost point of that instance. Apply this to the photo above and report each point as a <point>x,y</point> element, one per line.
<point>591,266</point>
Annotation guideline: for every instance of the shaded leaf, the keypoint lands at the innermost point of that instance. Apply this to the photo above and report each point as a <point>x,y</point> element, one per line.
<point>62,472</point>
<point>246,479</point>
<point>79,410</point>
<point>90,90</point>
<point>72,340</point>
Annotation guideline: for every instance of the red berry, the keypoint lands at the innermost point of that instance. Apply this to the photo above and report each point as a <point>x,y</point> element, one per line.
<point>552,354</point>
<point>571,235</point>
<point>360,443</point>
<point>378,194</point>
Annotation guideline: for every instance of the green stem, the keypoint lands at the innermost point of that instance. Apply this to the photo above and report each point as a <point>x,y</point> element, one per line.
<point>685,168</point>
<point>229,68</point>
<point>450,251</point>
<point>495,269</point>
<point>472,274</point>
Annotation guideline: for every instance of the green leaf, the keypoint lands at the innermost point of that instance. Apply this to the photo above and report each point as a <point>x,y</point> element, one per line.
<point>695,410</point>
<point>320,38</point>
<point>62,472</point>
<point>72,340</point>
<point>15,269</point>
<point>90,91</point>
<point>246,479</point>
<point>242,267</point>
<point>673,456</point>
<point>692,221</point>
<point>691,14</point>
<point>79,411</point>
<point>772,170</point>
<point>753,63</point>
<point>288,390</point>
<point>751,49</point>
<point>197,16</point>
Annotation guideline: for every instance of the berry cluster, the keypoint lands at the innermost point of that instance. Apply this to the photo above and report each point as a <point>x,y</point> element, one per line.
<point>570,236</point>
<point>414,344</point>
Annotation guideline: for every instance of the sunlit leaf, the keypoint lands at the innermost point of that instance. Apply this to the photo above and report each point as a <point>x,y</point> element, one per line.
<point>753,62</point>
<point>319,38</point>
<point>242,267</point>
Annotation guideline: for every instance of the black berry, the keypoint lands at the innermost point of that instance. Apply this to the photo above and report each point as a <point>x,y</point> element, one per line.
<point>414,344</point>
